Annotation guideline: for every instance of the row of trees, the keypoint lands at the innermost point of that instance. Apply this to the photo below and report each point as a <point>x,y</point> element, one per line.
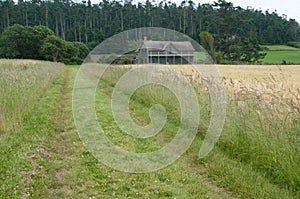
<point>87,22</point>
<point>235,50</point>
<point>233,28</point>
<point>39,42</point>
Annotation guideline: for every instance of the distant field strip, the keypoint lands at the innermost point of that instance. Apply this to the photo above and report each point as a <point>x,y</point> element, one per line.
<point>281,54</point>
<point>279,57</point>
<point>279,47</point>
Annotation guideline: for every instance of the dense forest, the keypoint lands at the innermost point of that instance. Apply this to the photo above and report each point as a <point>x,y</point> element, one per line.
<point>230,26</point>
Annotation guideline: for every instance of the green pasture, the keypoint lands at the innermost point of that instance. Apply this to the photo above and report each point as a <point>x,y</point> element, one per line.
<point>281,54</point>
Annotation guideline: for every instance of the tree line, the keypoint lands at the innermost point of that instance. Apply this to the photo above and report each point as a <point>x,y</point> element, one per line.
<point>40,42</point>
<point>233,28</point>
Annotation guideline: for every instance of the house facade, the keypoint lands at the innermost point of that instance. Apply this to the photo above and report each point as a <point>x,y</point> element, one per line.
<point>166,52</point>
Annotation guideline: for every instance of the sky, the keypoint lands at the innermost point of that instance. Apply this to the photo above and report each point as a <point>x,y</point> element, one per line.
<point>291,8</point>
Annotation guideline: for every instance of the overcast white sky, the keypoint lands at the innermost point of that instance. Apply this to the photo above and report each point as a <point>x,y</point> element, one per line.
<point>289,7</point>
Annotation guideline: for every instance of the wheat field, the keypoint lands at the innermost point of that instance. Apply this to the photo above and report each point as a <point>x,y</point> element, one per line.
<point>271,91</point>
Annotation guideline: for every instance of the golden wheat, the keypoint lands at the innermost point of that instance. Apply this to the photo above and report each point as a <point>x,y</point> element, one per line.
<point>274,89</point>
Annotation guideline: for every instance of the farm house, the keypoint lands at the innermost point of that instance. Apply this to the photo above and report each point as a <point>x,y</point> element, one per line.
<point>165,52</point>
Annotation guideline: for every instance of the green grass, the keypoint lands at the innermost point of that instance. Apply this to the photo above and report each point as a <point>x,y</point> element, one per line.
<point>201,57</point>
<point>42,156</point>
<point>281,54</point>
<point>21,85</point>
<point>262,157</point>
<point>279,47</point>
<point>35,87</point>
<point>279,57</point>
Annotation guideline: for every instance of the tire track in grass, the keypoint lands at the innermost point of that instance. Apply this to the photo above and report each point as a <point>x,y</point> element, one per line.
<point>71,172</point>
<point>45,147</point>
<point>182,163</point>
<point>41,153</point>
<point>63,165</point>
<point>22,150</point>
<point>219,171</point>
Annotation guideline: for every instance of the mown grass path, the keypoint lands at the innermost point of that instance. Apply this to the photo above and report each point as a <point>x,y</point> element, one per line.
<point>75,173</point>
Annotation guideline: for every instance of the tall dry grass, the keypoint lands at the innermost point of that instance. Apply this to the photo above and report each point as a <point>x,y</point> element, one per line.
<point>22,83</point>
<point>263,118</point>
<point>262,124</point>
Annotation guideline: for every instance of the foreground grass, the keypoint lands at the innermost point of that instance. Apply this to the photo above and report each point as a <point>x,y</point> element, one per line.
<point>34,88</point>
<point>262,128</point>
<point>258,153</point>
<point>44,158</point>
<point>22,82</point>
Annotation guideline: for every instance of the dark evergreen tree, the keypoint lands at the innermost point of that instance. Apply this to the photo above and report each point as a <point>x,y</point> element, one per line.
<point>231,27</point>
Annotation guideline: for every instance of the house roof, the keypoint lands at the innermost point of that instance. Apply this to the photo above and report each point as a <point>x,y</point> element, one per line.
<point>162,45</point>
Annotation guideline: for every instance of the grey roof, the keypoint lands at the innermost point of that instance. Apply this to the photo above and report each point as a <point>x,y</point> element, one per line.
<point>162,45</point>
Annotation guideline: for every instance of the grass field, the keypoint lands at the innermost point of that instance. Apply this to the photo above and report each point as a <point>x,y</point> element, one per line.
<point>279,54</point>
<point>41,155</point>
<point>279,48</point>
